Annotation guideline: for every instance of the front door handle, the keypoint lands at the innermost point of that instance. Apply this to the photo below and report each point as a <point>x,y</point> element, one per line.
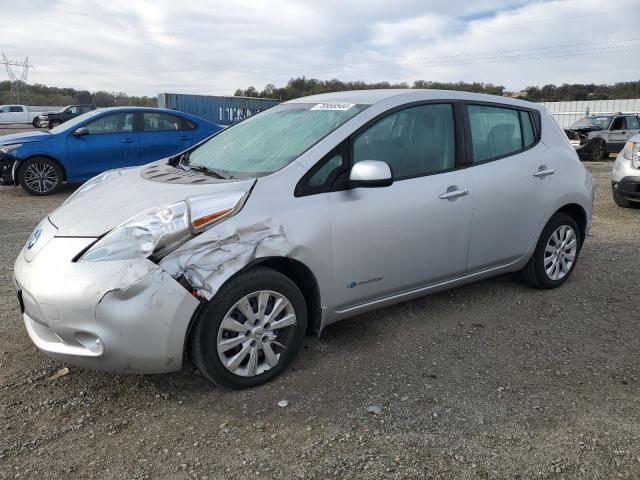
<point>543,172</point>
<point>454,193</point>
<point>127,140</point>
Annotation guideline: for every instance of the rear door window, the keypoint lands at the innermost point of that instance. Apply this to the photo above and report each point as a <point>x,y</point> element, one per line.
<point>497,132</point>
<point>632,123</point>
<point>161,122</point>
<point>16,109</point>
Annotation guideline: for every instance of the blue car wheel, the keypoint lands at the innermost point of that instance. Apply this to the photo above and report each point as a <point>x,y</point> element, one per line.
<point>40,176</point>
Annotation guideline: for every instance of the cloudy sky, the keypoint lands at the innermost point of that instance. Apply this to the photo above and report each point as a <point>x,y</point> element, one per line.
<point>213,47</point>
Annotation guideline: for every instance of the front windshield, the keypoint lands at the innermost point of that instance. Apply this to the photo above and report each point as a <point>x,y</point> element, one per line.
<point>266,142</point>
<point>601,122</point>
<point>73,122</point>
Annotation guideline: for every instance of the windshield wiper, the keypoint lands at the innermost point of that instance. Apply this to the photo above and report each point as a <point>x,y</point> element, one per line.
<point>206,170</point>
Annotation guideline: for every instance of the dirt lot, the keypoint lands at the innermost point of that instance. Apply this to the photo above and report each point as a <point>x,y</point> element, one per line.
<point>492,380</point>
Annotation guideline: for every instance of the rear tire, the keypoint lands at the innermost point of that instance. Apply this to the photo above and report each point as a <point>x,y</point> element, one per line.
<point>556,253</point>
<point>40,176</point>
<point>236,351</point>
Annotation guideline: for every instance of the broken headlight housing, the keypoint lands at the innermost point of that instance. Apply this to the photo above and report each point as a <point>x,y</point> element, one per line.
<point>159,230</point>
<point>632,152</point>
<point>8,148</point>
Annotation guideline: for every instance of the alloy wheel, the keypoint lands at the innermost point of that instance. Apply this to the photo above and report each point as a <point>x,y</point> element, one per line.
<point>41,177</point>
<point>560,252</point>
<point>255,332</point>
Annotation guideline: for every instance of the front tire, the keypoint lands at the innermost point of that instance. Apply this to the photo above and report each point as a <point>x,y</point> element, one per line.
<point>599,151</point>
<point>36,122</point>
<point>40,176</point>
<point>251,330</point>
<point>556,253</point>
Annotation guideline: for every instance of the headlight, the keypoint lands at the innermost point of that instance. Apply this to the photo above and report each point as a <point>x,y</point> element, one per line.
<point>632,152</point>
<point>161,229</point>
<point>97,180</point>
<point>8,148</point>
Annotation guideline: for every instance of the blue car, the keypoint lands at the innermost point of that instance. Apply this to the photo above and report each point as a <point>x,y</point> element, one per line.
<point>94,142</point>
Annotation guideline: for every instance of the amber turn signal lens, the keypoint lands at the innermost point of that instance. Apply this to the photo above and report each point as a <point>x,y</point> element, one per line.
<point>202,221</point>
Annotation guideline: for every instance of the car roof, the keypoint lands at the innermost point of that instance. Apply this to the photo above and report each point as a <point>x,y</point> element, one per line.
<point>373,96</point>
<point>153,110</point>
<point>608,114</point>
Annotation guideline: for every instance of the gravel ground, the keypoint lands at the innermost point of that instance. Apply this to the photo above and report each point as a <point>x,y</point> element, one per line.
<point>491,380</point>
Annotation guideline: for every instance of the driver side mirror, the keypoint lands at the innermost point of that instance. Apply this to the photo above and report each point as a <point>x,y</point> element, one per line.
<point>370,173</point>
<point>81,132</point>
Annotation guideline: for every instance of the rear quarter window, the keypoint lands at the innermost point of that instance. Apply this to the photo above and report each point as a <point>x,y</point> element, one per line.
<point>528,134</point>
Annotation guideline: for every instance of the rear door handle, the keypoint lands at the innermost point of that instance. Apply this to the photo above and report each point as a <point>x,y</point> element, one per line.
<point>184,137</point>
<point>454,193</point>
<point>543,172</point>
<point>128,140</point>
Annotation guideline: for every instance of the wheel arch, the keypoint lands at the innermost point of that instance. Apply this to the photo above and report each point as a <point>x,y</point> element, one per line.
<point>578,213</point>
<point>40,155</point>
<point>304,279</point>
<point>298,273</point>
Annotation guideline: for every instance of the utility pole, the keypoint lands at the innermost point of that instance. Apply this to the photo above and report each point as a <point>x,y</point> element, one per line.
<point>15,79</point>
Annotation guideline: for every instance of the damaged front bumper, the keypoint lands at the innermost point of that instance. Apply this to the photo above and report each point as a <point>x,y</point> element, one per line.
<point>7,163</point>
<point>121,316</point>
<point>581,142</point>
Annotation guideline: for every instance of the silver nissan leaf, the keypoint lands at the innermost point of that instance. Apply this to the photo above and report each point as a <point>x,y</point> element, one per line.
<point>310,212</point>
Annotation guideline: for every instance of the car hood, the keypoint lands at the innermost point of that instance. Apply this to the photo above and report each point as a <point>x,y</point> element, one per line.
<point>118,198</point>
<point>25,137</point>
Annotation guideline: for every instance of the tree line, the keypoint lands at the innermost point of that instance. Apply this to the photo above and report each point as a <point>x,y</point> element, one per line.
<point>302,86</point>
<point>38,94</point>
<point>43,95</point>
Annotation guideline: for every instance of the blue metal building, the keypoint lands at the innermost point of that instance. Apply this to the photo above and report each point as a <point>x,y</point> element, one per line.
<point>220,110</point>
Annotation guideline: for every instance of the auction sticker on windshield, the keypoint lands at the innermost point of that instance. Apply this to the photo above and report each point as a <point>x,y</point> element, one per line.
<point>333,106</point>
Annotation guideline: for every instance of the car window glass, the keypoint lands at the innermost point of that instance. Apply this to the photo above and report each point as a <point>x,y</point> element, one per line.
<point>159,122</point>
<point>632,123</point>
<point>114,123</point>
<point>495,132</point>
<point>323,174</point>
<point>16,109</point>
<point>527,129</point>
<point>618,124</point>
<point>414,141</point>
<point>270,140</point>
<point>4,109</point>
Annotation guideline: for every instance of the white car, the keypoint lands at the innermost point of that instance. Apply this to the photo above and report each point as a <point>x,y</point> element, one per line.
<point>625,177</point>
<point>307,213</point>
<point>19,114</point>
